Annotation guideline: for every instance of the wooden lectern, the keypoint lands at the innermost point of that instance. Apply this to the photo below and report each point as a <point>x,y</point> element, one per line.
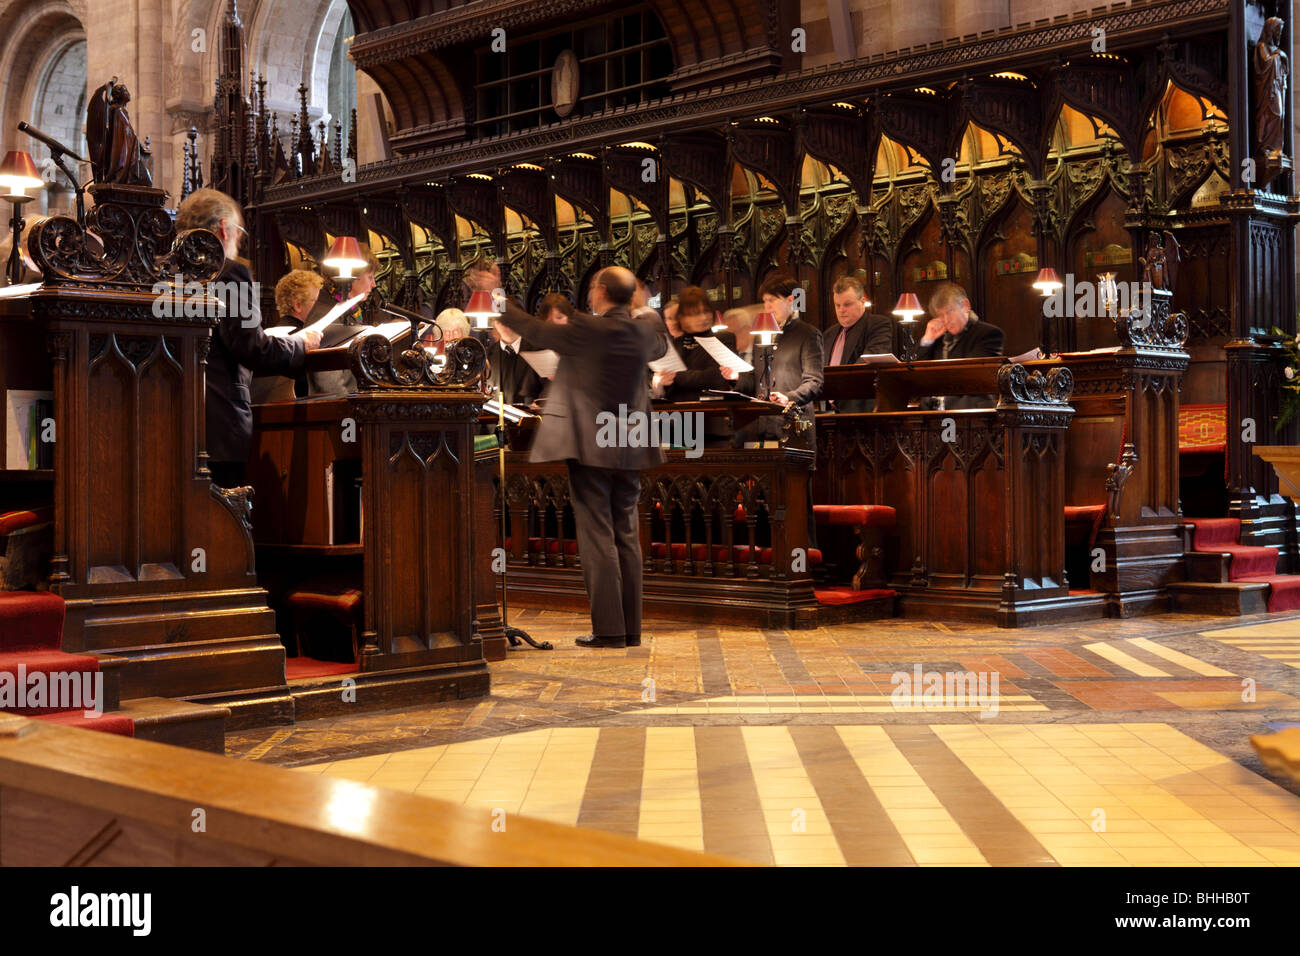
<point>376,490</point>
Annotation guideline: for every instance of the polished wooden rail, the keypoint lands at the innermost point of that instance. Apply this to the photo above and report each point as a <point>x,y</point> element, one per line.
<point>75,797</point>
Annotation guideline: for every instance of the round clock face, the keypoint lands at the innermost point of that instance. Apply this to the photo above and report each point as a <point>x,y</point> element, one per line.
<point>564,83</point>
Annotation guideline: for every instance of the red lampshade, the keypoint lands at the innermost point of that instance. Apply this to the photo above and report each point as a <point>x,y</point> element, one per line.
<point>345,255</point>
<point>908,307</point>
<point>1047,281</point>
<point>481,308</point>
<point>18,173</point>
<point>765,328</point>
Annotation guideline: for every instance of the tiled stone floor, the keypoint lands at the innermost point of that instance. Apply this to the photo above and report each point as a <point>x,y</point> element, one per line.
<point>1105,742</point>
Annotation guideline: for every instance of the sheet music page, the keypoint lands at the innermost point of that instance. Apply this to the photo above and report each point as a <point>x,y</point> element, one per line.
<point>671,362</point>
<point>321,324</point>
<point>330,317</point>
<point>878,358</point>
<point>17,291</point>
<point>1033,355</point>
<point>512,412</point>
<point>723,355</point>
<point>544,363</point>
<point>389,330</point>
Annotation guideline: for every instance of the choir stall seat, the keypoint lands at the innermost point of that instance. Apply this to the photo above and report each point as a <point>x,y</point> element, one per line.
<point>26,540</point>
<point>342,604</point>
<point>870,522</point>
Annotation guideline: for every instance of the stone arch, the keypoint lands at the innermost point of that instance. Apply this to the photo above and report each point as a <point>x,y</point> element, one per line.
<point>37,37</point>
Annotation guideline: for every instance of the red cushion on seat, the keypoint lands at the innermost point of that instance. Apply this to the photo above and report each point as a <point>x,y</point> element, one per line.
<point>1082,522</point>
<point>553,546</point>
<point>340,602</point>
<point>857,516</point>
<point>12,521</point>
<point>846,595</point>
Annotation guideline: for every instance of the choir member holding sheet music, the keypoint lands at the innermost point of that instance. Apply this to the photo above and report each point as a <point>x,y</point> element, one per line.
<point>295,297</point>
<point>341,381</point>
<point>703,373</point>
<point>240,347</point>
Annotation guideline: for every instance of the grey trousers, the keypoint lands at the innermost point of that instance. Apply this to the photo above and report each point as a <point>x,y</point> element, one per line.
<point>604,515</point>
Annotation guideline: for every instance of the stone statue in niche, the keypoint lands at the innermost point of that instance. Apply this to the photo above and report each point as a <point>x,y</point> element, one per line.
<point>1272,69</point>
<point>116,154</point>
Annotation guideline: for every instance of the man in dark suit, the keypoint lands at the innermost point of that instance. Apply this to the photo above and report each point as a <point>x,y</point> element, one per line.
<point>954,332</point>
<point>239,346</point>
<point>507,370</point>
<point>854,334</point>
<point>601,374</point>
<point>694,316</point>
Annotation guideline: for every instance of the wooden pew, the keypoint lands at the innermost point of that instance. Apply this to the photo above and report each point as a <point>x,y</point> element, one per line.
<point>979,494</point>
<point>72,797</point>
<point>375,492</point>
<point>724,536</point>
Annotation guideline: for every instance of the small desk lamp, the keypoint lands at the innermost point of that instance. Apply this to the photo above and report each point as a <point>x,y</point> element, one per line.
<point>1048,284</point>
<point>18,174</point>
<point>766,331</point>
<point>907,309</point>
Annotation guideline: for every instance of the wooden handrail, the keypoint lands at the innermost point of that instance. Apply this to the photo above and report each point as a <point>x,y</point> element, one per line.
<point>288,817</point>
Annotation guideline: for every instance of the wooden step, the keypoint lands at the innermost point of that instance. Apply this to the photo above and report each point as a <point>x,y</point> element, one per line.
<point>178,722</point>
<point>1208,566</point>
<point>1233,598</point>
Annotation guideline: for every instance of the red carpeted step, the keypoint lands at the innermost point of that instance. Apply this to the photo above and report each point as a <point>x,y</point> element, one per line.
<point>1284,590</point>
<point>30,620</point>
<point>105,723</point>
<point>1210,533</point>
<point>45,662</point>
<point>1248,561</point>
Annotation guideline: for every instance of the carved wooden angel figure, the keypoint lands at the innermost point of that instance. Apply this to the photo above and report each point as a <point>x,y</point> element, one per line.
<point>1272,69</point>
<point>116,155</point>
<point>1160,264</point>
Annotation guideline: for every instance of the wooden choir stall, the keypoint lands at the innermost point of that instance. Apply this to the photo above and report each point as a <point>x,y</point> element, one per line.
<point>369,525</point>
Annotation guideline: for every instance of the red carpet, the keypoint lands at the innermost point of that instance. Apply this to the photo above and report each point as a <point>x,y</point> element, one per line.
<point>31,633</point>
<point>1284,590</point>
<point>1250,564</point>
<point>1221,536</point>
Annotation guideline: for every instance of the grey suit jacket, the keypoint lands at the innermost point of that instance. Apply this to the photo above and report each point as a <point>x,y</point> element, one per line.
<point>602,368</point>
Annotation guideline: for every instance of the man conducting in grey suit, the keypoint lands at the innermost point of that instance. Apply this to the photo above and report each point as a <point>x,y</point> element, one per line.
<point>602,373</point>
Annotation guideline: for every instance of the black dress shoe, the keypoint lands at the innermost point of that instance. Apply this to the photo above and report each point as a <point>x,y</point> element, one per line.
<point>634,641</point>
<point>590,640</point>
